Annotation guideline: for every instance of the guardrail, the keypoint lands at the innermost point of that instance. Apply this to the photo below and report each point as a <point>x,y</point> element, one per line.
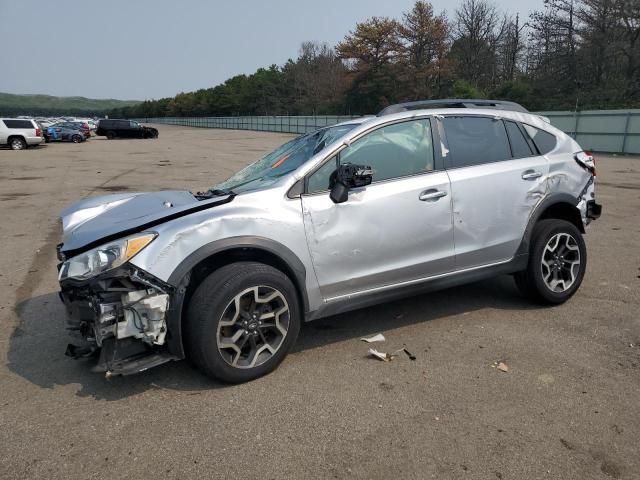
<point>613,131</point>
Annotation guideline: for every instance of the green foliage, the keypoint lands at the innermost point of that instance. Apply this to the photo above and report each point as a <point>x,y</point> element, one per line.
<point>463,89</point>
<point>583,53</point>
<point>11,104</point>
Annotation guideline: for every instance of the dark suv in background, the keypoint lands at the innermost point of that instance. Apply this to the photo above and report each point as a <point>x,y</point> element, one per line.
<point>124,129</point>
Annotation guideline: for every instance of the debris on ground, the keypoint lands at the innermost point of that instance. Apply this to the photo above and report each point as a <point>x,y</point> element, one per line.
<point>376,338</point>
<point>500,365</point>
<point>409,354</point>
<point>387,357</point>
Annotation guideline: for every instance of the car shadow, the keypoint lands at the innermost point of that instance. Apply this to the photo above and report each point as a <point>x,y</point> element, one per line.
<point>37,345</point>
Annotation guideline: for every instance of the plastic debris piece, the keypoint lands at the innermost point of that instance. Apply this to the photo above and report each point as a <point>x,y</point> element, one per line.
<point>385,357</point>
<point>376,338</point>
<point>503,367</point>
<point>409,354</point>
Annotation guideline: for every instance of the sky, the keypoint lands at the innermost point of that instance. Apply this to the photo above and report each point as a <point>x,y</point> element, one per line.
<point>149,49</point>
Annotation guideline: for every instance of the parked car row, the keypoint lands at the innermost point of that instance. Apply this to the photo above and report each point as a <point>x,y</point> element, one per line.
<point>23,132</point>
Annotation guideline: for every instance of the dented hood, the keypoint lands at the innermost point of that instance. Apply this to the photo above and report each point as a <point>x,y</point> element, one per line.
<point>90,222</point>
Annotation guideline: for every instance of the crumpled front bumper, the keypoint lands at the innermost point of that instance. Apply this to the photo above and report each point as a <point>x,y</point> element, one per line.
<point>120,318</point>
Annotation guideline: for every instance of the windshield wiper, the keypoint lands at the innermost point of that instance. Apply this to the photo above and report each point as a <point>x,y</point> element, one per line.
<point>218,193</point>
<point>213,193</point>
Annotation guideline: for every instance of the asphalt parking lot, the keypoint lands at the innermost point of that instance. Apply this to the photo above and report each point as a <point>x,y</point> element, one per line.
<point>568,408</point>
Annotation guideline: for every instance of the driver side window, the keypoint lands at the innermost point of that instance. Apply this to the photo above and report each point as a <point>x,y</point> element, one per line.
<point>397,150</point>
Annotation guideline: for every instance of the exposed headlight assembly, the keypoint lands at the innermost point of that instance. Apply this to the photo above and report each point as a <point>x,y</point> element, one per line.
<point>105,257</point>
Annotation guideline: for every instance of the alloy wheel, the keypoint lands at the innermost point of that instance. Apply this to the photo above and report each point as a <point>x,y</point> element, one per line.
<point>560,262</point>
<point>253,327</point>
<point>17,144</point>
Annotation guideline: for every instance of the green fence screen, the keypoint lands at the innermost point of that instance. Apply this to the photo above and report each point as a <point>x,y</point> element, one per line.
<point>614,131</point>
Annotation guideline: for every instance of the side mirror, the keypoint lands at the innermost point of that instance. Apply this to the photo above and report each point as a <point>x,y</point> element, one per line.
<point>339,193</point>
<point>349,176</point>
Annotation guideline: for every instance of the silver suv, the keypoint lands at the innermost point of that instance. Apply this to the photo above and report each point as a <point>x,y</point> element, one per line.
<point>20,133</point>
<point>426,195</point>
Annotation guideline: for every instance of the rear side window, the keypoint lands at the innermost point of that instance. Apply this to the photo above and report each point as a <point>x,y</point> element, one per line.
<point>519,145</point>
<point>18,124</point>
<point>476,140</point>
<point>544,141</point>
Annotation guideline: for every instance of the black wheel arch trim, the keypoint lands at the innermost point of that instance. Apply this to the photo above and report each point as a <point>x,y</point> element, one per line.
<point>181,276</point>
<point>549,201</point>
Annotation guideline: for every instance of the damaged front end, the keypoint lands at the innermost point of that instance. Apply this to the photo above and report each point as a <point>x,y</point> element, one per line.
<point>118,310</point>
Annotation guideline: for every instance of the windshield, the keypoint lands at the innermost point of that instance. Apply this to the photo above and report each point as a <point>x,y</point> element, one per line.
<point>283,160</point>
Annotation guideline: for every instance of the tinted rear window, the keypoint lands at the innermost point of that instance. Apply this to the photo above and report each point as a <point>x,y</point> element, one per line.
<point>519,145</point>
<point>544,141</point>
<point>476,140</point>
<point>18,123</point>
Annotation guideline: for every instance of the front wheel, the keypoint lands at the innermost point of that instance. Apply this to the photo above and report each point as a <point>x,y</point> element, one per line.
<point>242,321</point>
<point>76,139</point>
<point>557,263</point>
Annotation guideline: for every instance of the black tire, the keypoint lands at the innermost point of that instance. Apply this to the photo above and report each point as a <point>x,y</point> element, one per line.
<point>212,299</point>
<point>17,143</point>
<point>111,135</point>
<point>76,139</point>
<point>531,281</point>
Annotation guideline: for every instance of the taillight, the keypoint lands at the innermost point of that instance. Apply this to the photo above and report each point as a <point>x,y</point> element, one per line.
<point>587,161</point>
<point>38,132</point>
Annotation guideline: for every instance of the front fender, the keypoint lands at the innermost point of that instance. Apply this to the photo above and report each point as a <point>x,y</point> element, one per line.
<point>263,220</point>
<point>181,276</point>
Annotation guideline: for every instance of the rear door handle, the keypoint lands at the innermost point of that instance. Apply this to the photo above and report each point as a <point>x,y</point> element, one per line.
<point>531,175</point>
<point>432,195</point>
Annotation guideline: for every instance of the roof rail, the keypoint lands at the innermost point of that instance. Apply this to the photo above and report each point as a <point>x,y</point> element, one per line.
<point>453,103</point>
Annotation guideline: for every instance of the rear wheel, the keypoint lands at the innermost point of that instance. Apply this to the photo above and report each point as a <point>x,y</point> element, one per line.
<point>76,139</point>
<point>111,135</point>
<point>557,263</point>
<point>242,321</point>
<point>17,143</point>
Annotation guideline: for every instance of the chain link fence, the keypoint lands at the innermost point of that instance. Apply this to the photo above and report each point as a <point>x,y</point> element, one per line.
<point>613,131</point>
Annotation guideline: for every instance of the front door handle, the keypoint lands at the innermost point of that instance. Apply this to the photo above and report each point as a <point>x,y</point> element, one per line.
<point>531,175</point>
<point>432,195</point>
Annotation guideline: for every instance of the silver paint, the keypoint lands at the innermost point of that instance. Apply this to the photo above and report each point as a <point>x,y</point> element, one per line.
<point>384,235</point>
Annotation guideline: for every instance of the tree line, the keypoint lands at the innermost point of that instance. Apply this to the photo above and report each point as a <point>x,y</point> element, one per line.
<point>570,54</point>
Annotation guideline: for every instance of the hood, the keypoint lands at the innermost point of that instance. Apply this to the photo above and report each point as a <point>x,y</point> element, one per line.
<point>96,220</point>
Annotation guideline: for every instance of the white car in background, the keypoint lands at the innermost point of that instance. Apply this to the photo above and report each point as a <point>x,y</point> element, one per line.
<point>20,133</point>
